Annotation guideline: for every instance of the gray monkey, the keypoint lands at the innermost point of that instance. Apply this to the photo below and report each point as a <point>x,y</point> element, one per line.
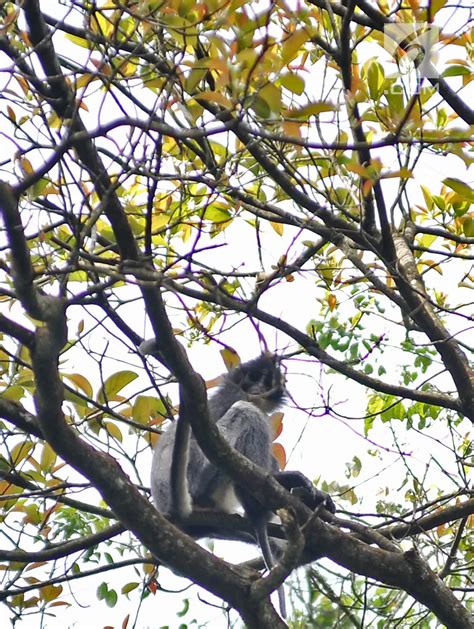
<point>241,406</point>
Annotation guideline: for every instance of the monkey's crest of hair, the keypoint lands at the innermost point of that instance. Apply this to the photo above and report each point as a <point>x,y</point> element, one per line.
<point>260,380</point>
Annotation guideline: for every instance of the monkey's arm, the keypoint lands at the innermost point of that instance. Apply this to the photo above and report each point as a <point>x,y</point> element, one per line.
<point>298,484</point>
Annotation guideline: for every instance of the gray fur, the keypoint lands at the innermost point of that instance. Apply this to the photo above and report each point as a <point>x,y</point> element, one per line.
<point>236,407</point>
<point>241,407</point>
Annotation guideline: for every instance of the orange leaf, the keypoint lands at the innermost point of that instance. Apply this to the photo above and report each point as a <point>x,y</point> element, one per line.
<point>280,455</point>
<point>277,423</point>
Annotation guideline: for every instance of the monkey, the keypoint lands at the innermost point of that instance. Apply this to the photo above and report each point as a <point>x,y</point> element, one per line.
<point>242,405</point>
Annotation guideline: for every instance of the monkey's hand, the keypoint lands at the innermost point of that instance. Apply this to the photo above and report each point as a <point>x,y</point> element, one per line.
<point>314,498</point>
<point>299,485</point>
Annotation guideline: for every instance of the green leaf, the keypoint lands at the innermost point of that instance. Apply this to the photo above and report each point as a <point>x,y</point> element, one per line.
<point>460,187</point>
<point>128,587</point>
<point>115,383</point>
<point>375,405</point>
<point>292,82</point>
<point>111,598</point>
<point>468,227</point>
<point>375,80</point>
<point>271,94</point>
<point>456,70</point>
<point>217,214</point>
<point>185,609</point>
<point>102,591</point>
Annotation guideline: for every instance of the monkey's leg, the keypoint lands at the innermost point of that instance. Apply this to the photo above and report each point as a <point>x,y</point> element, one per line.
<point>299,484</point>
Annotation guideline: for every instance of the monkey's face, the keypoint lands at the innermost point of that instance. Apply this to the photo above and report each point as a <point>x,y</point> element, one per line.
<point>262,381</point>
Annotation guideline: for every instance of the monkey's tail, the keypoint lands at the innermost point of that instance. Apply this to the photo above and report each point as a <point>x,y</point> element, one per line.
<point>264,543</point>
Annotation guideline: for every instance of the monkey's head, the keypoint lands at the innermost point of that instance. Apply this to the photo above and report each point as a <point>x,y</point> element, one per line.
<point>261,380</point>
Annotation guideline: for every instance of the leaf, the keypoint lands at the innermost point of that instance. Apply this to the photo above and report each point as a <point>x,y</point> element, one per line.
<point>311,109</point>
<point>86,79</point>
<point>50,592</point>
<point>146,407</point>
<point>185,609</point>
<point>292,82</point>
<point>128,587</point>
<point>332,301</point>
<point>375,79</point>
<point>291,46</point>
<point>79,41</point>
<point>468,227</point>
<point>375,405</point>
<point>436,5</point>
<point>26,166</point>
<point>460,187</point>
<point>217,214</point>
<point>403,173</point>
<point>456,70</point>
<point>230,357</point>
<point>279,453</point>
<point>48,458</point>
<point>81,383</point>
<point>271,94</point>
<point>115,383</point>
<point>278,227</point>
<point>111,598</point>
<point>292,128</point>
<point>113,430</point>
<point>20,451</point>
<point>277,424</point>
<point>215,97</point>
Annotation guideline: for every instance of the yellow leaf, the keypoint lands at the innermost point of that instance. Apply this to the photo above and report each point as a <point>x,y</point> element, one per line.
<point>20,451</point>
<point>48,458</point>
<point>85,79</point>
<point>468,226</point>
<point>278,227</point>
<point>291,46</point>
<point>215,97</point>
<point>79,41</point>
<point>230,357</point>
<point>311,109</point>
<point>461,187</point>
<point>355,167</point>
<point>436,5</point>
<point>113,430</point>
<point>115,383</point>
<point>81,382</point>
<point>403,173</point>
<point>26,166</point>
<point>367,187</point>
<point>50,592</point>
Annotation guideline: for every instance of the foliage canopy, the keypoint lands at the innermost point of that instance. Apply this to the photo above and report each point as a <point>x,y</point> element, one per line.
<point>199,171</point>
